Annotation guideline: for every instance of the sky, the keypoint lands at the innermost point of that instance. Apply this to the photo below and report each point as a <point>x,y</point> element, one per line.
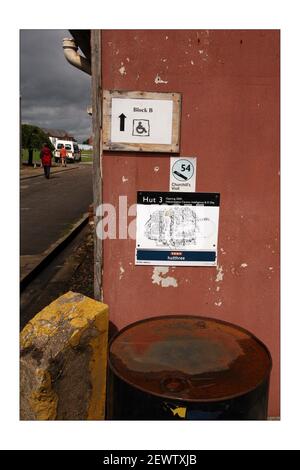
<point>54,94</point>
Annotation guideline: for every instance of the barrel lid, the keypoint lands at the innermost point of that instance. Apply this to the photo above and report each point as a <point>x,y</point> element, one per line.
<point>189,358</point>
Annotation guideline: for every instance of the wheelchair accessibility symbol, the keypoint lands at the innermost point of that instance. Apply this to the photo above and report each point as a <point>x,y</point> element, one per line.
<point>141,127</point>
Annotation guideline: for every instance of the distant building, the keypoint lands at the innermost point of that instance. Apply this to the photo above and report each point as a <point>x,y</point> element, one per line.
<point>58,134</point>
<point>88,141</point>
<point>85,147</point>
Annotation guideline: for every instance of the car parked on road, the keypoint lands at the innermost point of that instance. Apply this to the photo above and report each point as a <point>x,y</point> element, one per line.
<point>73,152</point>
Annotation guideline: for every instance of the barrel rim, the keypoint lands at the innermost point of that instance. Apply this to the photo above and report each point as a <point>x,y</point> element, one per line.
<point>266,377</point>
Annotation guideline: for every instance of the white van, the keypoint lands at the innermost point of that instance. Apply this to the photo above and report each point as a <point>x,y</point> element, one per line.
<point>73,152</point>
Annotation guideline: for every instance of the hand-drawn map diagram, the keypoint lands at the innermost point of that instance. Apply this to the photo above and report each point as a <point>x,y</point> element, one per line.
<point>177,229</point>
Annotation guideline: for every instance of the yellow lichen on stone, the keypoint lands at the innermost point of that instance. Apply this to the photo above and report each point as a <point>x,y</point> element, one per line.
<point>98,367</point>
<point>79,322</point>
<point>43,400</point>
<point>75,338</point>
<point>47,341</point>
<point>73,309</point>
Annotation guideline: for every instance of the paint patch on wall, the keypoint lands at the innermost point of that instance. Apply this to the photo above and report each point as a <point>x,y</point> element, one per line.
<point>220,273</point>
<point>122,69</point>
<point>159,277</point>
<point>122,271</point>
<point>158,80</point>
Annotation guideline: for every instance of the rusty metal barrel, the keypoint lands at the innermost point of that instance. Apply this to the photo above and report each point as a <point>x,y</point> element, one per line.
<point>187,367</point>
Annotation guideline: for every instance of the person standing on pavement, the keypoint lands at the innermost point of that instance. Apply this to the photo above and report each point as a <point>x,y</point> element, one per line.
<point>63,155</point>
<point>46,157</point>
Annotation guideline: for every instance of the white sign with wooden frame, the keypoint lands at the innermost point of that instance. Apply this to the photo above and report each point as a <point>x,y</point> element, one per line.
<point>141,121</point>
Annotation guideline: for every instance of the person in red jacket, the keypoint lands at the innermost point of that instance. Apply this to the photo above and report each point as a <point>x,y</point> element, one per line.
<point>63,155</point>
<point>46,157</point>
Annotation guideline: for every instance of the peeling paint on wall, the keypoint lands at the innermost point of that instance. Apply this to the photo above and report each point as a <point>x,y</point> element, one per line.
<point>158,277</point>
<point>244,265</point>
<point>203,53</point>
<point>218,304</point>
<point>220,273</point>
<point>122,69</point>
<point>124,179</point>
<point>156,169</point>
<point>122,271</point>
<point>158,80</point>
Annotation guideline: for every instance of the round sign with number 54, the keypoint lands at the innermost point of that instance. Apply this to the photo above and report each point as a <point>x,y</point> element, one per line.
<point>183,174</point>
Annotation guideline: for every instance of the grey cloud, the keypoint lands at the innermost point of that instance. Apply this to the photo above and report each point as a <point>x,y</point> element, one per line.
<point>53,93</point>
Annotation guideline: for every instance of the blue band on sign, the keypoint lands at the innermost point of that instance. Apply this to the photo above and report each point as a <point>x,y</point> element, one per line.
<point>175,255</point>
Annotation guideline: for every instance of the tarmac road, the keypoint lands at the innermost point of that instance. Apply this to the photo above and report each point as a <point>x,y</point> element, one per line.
<point>48,208</point>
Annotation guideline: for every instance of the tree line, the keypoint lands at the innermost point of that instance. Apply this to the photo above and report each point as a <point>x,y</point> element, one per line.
<point>33,138</point>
